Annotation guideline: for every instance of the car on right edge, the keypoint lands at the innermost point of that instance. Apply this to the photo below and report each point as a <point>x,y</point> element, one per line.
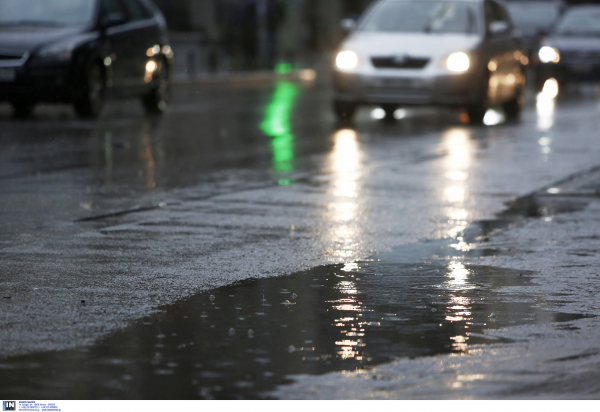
<point>571,53</point>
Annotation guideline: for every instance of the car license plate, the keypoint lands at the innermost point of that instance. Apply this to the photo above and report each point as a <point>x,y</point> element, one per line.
<point>8,74</point>
<point>581,68</point>
<point>396,83</point>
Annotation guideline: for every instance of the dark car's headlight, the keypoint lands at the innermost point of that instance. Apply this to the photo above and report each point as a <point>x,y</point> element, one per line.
<point>549,54</point>
<point>56,52</point>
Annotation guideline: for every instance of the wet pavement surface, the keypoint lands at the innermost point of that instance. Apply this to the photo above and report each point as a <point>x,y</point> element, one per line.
<point>239,341</point>
<point>137,255</point>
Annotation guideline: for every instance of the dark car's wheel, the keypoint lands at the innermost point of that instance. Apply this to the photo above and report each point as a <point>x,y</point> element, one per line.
<point>90,100</point>
<point>157,100</point>
<point>344,110</point>
<point>22,110</point>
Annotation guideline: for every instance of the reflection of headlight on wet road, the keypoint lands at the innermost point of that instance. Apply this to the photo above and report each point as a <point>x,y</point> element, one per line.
<point>458,62</point>
<point>550,89</point>
<point>346,60</point>
<point>549,55</point>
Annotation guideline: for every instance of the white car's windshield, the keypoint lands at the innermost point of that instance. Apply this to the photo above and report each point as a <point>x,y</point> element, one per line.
<point>423,16</point>
<point>584,24</point>
<point>58,13</point>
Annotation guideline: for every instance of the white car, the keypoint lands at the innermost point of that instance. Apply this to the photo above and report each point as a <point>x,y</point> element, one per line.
<point>462,54</point>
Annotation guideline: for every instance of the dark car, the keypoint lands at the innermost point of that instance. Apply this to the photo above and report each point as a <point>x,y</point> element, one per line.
<point>572,51</point>
<point>81,51</point>
<point>534,19</point>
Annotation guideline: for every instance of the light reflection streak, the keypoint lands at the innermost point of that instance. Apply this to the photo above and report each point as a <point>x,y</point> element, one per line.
<point>457,274</point>
<point>457,143</point>
<point>462,245</point>
<point>344,163</point>
<point>351,266</point>
<point>545,108</point>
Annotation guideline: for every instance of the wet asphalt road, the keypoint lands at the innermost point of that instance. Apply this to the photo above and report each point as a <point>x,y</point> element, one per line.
<point>103,223</point>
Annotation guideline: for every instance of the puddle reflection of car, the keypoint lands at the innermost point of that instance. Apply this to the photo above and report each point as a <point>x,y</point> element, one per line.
<point>418,52</point>
<point>572,51</point>
<point>80,51</point>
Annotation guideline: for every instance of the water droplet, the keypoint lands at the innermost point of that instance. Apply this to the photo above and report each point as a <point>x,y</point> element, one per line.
<point>231,331</point>
<point>211,298</point>
<point>294,296</point>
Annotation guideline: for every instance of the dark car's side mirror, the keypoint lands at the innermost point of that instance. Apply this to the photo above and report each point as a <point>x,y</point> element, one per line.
<point>498,27</point>
<point>113,19</point>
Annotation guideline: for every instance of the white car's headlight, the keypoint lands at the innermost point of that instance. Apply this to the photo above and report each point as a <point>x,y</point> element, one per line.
<point>346,60</point>
<point>549,54</point>
<point>56,52</point>
<point>458,62</point>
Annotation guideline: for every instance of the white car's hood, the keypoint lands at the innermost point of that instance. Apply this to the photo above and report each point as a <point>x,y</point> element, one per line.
<point>412,44</point>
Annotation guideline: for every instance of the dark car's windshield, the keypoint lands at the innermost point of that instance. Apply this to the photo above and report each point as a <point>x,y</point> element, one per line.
<point>533,15</point>
<point>580,24</point>
<point>423,16</point>
<point>58,13</point>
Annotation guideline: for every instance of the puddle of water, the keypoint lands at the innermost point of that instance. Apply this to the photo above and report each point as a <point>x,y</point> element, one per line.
<point>241,340</point>
<point>539,205</point>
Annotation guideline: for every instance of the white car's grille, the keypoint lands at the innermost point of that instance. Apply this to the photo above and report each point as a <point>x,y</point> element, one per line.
<point>399,62</point>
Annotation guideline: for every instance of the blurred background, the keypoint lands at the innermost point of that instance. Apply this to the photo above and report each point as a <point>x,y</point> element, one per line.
<point>233,35</point>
